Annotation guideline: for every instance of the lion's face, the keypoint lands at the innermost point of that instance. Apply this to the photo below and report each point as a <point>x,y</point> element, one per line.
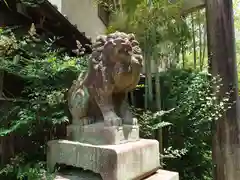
<point>120,56</point>
<point>118,51</point>
<point>127,67</point>
<point>123,51</point>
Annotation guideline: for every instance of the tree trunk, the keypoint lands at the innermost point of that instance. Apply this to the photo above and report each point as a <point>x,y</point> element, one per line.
<point>221,44</point>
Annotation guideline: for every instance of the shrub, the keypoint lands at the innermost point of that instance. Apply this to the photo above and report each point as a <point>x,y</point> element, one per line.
<point>195,106</point>
<point>47,73</point>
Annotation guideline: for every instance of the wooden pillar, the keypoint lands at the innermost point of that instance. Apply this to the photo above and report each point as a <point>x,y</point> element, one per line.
<point>222,58</point>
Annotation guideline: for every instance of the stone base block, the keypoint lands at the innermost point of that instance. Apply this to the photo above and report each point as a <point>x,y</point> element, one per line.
<point>113,162</point>
<point>98,134</point>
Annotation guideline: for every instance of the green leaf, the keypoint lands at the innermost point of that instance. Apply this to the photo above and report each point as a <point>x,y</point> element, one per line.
<point>161,125</point>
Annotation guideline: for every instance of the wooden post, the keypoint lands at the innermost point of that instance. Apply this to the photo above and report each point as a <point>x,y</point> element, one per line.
<point>222,58</point>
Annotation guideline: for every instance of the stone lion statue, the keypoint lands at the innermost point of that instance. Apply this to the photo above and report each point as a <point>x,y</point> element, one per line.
<point>114,70</point>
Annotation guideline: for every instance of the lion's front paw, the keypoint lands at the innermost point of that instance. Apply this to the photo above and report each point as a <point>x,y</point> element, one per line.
<point>111,119</point>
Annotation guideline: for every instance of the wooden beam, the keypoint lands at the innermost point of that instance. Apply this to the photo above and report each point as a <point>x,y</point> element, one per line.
<point>222,58</point>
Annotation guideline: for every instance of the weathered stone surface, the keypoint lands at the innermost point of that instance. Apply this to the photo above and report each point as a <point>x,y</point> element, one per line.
<point>99,134</point>
<point>113,162</point>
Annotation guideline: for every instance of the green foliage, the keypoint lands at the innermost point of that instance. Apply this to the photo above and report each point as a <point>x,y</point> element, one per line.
<point>158,26</point>
<point>150,121</point>
<point>47,72</point>
<point>194,50</point>
<point>19,169</point>
<point>195,108</point>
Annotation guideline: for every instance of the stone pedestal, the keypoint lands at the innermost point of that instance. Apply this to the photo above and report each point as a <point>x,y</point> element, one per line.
<point>129,161</point>
<point>98,134</point>
<point>116,153</point>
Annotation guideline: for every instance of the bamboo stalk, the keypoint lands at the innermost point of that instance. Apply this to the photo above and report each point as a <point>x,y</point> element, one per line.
<point>204,43</point>
<point>158,105</point>
<point>183,55</point>
<point>200,40</point>
<point>146,80</point>
<point>194,43</point>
